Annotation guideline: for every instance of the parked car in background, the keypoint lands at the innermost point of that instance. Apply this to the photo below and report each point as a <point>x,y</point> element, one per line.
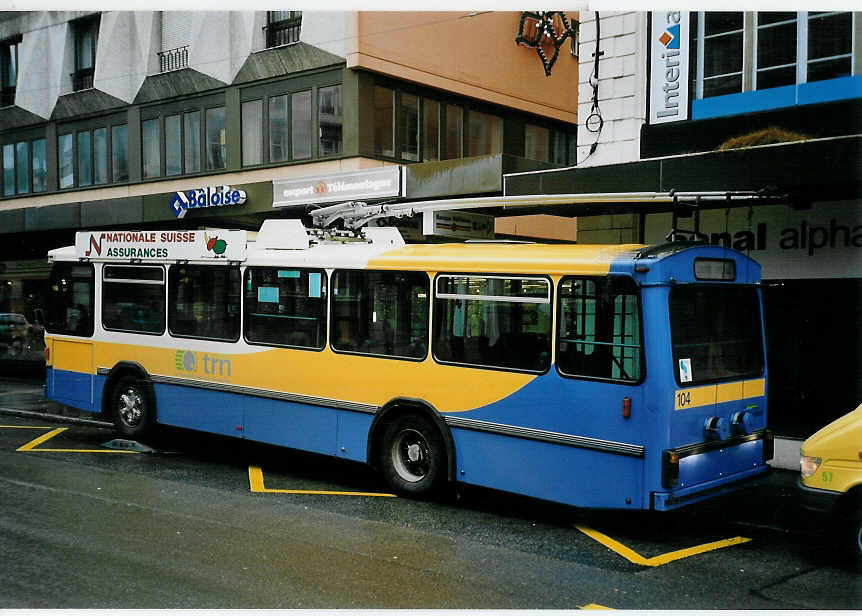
<point>831,481</point>
<point>15,332</point>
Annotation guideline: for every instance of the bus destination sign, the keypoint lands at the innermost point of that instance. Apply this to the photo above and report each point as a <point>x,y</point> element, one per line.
<point>161,245</point>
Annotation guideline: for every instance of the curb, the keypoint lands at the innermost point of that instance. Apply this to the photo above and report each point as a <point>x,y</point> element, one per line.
<point>63,418</point>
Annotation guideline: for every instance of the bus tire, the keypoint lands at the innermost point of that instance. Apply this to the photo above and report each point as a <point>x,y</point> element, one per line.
<point>412,455</point>
<point>133,409</point>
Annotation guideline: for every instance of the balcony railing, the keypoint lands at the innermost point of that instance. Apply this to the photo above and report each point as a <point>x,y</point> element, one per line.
<point>283,32</point>
<point>82,79</point>
<point>173,59</point>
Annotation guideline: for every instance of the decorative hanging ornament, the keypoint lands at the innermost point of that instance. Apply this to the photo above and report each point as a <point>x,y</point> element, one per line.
<point>545,31</point>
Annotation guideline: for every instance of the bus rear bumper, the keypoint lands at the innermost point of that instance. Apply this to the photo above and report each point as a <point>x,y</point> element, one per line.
<point>674,499</point>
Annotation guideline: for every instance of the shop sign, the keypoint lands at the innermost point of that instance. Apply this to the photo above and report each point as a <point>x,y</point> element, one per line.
<point>380,183</point>
<point>211,196</point>
<point>458,224</point>
<point>669,56</point>
<point>161,245</point>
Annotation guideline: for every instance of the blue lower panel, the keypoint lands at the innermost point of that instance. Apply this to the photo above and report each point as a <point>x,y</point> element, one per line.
<point>570,475</point>
<point>353,435</point>
<point>199,409</point>
<point>302,426</point>
<point>76,389</point>
<point>719,463</point>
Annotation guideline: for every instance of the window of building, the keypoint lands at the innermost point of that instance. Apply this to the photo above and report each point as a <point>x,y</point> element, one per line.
<point>85,160</point>
<point>384,121</point>
<point>71,299</point>
<point>173,145</point>
<point>493,321</point>
<point>66,160</point>
<point>204,302</point>
<point>430,130</point>
<point>720,51</point>
<point>278,129</point>
<point>252,132</point>
<point>22,159</point>
<point>216,139</point>
<point>776,50</point>
<point>537,142</point>
<point>599,329</point>
<point>9,50</point>
<point>152,148</point>
<point>100,156</point>
<point>380,313</point>
<point>192,141</point>
<point>133,298</point>
<point>454,132</point>
<point>120,153</point>
<point>830,45</point>
<point>408,127</point>
<point>40,165</point>
<point>285,307</point>
<point>86,34</point>
<point>485,134</point>
<point>329,115</point>
<point>9,170</point>
<point>283,27</point>
<point>300,126</point>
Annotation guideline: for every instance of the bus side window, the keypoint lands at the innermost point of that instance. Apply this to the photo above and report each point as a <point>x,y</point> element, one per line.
<point>203,301</point>
<point>599,333</point>
<point>71,299</point>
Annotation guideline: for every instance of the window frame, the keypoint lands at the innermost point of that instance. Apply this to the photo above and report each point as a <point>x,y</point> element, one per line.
<point>162,283</point>
<point>332,321</point>
<point>170,302</point>
<point>435,315</point>
<point>559,329</point>
<point>324,282</point>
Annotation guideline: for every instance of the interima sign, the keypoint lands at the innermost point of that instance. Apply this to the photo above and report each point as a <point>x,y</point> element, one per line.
<point>669,67</point>
<point>161,245</point>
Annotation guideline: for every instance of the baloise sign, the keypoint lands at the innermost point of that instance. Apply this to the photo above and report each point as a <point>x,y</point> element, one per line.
<point>211,196</point>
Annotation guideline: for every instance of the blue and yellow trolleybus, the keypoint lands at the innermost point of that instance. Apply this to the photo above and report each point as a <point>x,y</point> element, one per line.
<point>629,377</point>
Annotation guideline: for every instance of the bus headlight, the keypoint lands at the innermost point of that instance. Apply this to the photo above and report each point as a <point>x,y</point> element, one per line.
<point>809,465</point>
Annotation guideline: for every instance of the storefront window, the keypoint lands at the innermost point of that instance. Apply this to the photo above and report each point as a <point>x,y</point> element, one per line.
<point>300,125</point>
<point>408,127</point>
<point>330,118</point>
<point>23,297</point>
<point>252,132</point>
<point>152,148</point>
<point>120,153</point>
<point>537,142</point>
<point>216,139</point>
<point>454,132</point>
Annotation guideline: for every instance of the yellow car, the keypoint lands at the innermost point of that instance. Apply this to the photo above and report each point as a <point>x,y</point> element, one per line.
<point>831,479</point>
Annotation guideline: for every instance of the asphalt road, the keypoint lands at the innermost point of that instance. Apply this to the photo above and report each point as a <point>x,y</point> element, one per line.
<point>209,522</point>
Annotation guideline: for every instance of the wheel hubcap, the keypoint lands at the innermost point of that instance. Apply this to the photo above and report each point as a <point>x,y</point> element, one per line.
<point>130,408</point>
<point>411,455</point>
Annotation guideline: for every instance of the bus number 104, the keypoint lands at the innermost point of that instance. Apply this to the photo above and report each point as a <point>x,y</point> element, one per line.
<point>683,398</point>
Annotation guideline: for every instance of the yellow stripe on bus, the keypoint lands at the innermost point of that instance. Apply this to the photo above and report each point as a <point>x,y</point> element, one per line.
<point>715,394</point>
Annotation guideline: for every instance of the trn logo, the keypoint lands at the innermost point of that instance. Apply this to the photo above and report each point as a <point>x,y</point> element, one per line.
<point>202,363</point>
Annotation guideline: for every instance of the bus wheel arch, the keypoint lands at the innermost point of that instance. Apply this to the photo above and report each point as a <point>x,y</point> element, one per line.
<point>416,426</point>
<point>129,401</point>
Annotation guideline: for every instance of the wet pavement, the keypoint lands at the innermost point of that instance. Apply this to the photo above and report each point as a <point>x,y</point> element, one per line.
<point>192,524</point>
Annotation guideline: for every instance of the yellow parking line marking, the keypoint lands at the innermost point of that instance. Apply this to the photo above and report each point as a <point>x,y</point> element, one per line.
<point>255,480</point>
<point>32,445</point>
<point>661,559</point>
<point>595,606</point>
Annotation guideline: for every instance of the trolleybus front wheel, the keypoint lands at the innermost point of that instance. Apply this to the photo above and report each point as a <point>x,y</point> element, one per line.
<point>413,456</point>
<point>131,407</point>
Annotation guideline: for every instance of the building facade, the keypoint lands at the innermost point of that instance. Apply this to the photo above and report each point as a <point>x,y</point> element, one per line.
<point>144,119</point>
<point>706,101</point>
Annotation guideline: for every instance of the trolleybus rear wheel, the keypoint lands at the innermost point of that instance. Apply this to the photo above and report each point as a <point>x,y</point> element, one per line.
<point>131,407</point>
<point>412,456</point>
